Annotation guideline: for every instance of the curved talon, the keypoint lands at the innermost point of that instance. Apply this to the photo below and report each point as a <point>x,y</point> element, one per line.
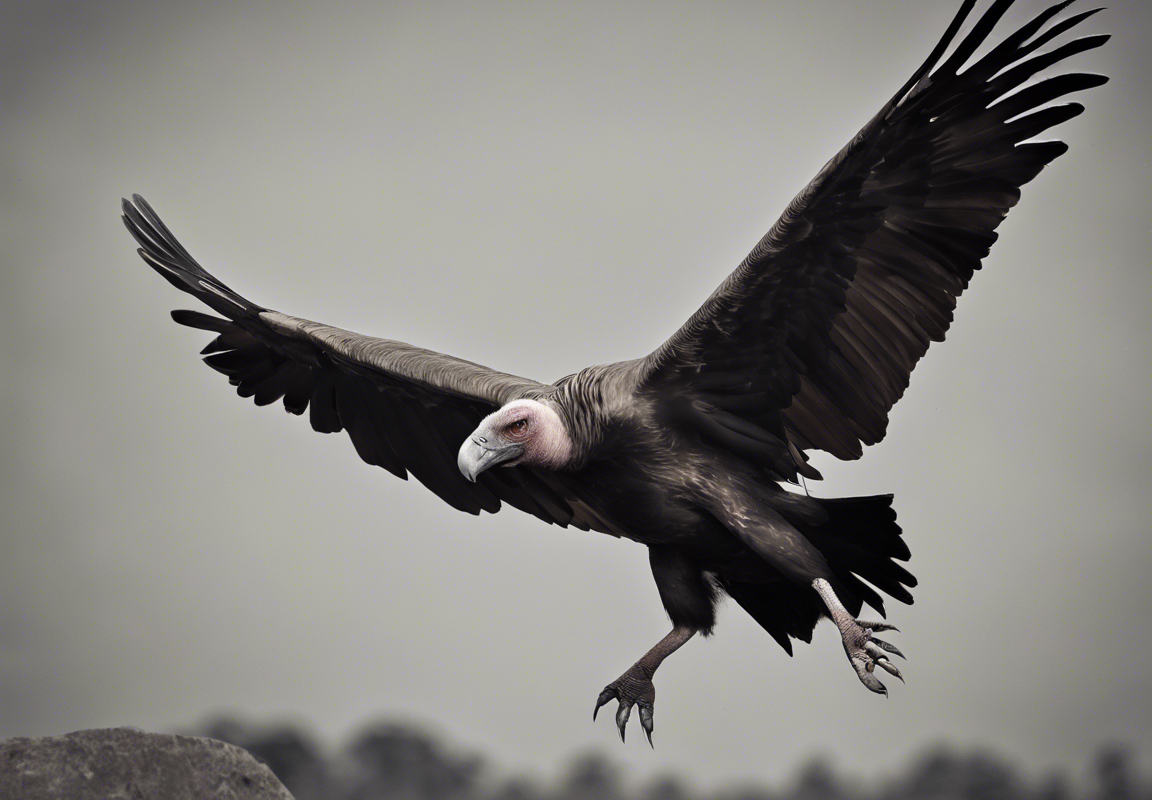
<point>891,648</point>
<point>871,681</point>
<point>890,668</point>
<point>646,709</point>
<point>622,714</point>
<point>608,694</point>
<point>878,627</point>
<point>873,649</point>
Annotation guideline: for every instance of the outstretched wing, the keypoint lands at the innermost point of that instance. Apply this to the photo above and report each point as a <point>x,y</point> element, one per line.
<point>405,408</point>
<point>827,316</point>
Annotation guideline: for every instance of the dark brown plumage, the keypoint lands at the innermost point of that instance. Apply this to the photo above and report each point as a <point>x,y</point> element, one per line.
<point>806,346</point>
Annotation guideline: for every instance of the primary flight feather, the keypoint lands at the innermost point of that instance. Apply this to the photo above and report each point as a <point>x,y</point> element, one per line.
<point>806,346</point>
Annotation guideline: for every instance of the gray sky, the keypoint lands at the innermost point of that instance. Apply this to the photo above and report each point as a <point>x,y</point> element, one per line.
<point>537,187</point>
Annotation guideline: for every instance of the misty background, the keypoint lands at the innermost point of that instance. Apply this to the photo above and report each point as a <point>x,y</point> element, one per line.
<point>537,187</point>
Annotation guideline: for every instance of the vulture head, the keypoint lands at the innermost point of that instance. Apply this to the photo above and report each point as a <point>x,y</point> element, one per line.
<point>524,432</point>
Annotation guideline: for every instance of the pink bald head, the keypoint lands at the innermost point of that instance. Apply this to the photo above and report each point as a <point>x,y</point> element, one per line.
<point>536,427</point>
<point>522,432</point>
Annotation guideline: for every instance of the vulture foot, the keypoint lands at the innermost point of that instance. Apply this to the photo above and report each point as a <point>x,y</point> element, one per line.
<point>865,652</point>
<point>633,688</point>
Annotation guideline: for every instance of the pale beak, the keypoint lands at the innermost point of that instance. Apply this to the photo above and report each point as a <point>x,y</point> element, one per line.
<point>475,457</point>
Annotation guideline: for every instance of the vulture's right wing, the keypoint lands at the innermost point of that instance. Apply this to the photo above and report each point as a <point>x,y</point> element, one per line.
<point>824,321</point>
<point>405,408</point>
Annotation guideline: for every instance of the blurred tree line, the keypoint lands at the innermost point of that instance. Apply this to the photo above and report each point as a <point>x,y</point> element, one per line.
<point>397,762</point>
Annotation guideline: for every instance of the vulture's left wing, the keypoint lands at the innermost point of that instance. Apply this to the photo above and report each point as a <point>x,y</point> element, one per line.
<point>826,318</point>
<point>405,408</point>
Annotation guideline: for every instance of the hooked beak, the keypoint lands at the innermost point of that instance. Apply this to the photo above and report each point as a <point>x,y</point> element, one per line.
<point>475,457</point>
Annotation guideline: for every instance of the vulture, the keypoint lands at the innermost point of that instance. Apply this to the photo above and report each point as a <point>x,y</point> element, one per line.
<point>805,346</point>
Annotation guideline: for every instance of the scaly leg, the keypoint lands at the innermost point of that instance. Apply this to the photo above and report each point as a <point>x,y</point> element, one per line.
<point>864,652</point>
<point>635,686</point>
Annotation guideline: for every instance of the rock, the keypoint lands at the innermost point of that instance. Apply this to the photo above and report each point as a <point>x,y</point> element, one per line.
<point>128,764</point>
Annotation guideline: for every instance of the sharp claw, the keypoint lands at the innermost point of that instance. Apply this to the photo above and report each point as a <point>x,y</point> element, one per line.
<point>876,649</point>
<point>602,700</point>
<point>864,672</point>
<point>622,715</point>
<point>890,668</point>
<point>646,721</point>
<point>877,626</point>
<point>891,648</point>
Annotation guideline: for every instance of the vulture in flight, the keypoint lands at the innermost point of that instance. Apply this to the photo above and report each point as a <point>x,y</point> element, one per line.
<point>805,346</point>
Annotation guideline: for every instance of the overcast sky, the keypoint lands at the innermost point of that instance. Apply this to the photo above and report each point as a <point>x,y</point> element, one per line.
<point>537,187</point>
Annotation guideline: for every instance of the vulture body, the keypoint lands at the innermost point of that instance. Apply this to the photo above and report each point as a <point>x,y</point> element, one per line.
<point>806,346</point>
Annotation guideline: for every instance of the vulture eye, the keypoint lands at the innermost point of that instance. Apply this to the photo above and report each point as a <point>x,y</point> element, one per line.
<point>518,427</point>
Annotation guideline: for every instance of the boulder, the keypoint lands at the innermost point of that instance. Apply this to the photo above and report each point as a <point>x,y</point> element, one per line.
<point>128,764</point>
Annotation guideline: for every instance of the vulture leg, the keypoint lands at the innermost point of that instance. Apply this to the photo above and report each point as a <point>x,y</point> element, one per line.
<point>635,686</point>
<point>690,601</point>
<point>864,652</point>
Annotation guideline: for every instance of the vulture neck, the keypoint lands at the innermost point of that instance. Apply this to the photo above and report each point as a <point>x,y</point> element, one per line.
<point>590,402</point>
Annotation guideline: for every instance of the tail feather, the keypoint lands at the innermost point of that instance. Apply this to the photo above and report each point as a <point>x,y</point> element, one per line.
<point>862,543</point>
<point>785,610</point>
